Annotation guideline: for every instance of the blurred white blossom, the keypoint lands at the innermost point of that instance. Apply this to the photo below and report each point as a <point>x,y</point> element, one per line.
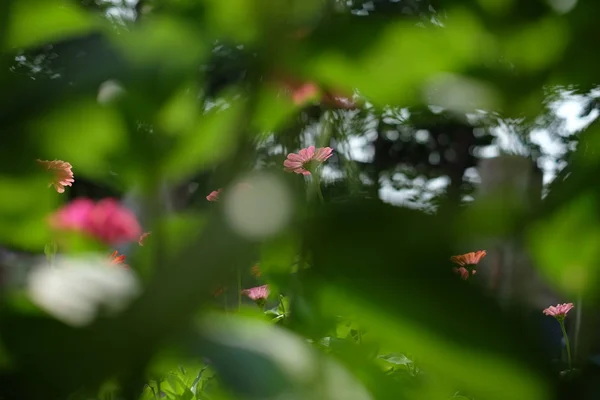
<point>74,290</point>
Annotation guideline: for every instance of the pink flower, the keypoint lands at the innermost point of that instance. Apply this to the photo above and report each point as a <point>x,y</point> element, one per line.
<point>105,220</point>
<point>214,195</point>
<point>142,237</point>
<point>559,311</point>
<point>63,175</point>
<point>257,293</point>
<point>305,93</point>
<point>298,163</point>
<point>472,258</point>
<point>462,271</point>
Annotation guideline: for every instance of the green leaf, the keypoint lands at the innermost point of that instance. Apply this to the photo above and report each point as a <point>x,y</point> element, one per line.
<point>396,359</point>
<point>211,139</point>
<point>565,245</point>
<point>34,22</point>
<point>420,53</point>
<point>25,204</point>
<point>175,45</point>
<point>84,134</point>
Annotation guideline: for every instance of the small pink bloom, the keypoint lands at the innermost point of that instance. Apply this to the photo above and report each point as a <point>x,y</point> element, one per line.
<point>118,259</point>
<point>257,293</point>
<point>105,220</point>
<point>298,162</point>
<point>472,258</point>
<point>214,195</point>
<point>142,237</point>
<point>559,311</point>
<point>462,271</point>
<point>305,93</point>
<point>63,175</point>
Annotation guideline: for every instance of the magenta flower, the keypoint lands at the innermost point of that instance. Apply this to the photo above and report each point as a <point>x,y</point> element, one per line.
<point>299,163</point>
<point>105,220</point>
<point>62,174</point>
<point>257,293</point>
<point>559,311</point>
<point>214,195</point>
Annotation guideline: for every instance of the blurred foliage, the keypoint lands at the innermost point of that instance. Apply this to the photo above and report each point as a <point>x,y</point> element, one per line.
<point>172,99</point>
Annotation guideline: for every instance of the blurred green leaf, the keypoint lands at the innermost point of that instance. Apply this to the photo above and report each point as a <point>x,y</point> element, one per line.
<point>84,134</point>
<point>34,22</point>
<point>211,139</point>
<point>565,245</point>
<point>270,361</point>
<point>403,57</point>
<point>173,44</point>
<point>25,205</point>
<point>523,47</point>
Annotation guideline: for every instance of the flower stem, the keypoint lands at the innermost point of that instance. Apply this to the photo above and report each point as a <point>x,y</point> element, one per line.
<point>319,193</point>
<point>239,284</point>
<point>564,332</point>
<point>50,251</point>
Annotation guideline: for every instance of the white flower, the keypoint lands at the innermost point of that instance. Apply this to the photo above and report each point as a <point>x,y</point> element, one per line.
<point>76,289</point>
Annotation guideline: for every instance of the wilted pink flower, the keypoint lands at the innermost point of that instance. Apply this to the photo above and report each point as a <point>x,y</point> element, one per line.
<point>462,271</point>
<point>214,195</point>
<point>298,162</point>
<point>63,175</point>
<point>257,293</point>
<point>105,220</point>
<point>118,259</point>
<point>142,237</point>
<point>559,311</point>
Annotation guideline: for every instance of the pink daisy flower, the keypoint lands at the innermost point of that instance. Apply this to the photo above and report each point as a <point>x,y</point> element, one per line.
<point>214,195</point>
<point>472,258</point>
<point>559,311</point>
<point>299,163</point>
<point>62,173</point>
<point>467,262</point>
<point>257,293</point>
